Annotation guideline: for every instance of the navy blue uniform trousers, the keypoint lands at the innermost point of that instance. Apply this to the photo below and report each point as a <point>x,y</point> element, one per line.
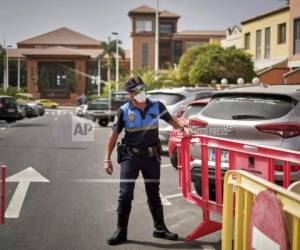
<point>131,165</point>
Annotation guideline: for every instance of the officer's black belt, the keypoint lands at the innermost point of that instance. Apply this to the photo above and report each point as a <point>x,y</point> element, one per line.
<point>145,128</point>
<point>148,152</point>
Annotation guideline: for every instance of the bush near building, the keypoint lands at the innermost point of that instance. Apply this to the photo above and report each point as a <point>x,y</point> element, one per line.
<point>204,63</point>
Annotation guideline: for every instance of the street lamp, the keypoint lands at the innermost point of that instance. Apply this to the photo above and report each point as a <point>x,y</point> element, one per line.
<point>7,68</point>
<point>117,59</point>
<point>255,81</point>
<point>156,63</point>
<point>240,82</point>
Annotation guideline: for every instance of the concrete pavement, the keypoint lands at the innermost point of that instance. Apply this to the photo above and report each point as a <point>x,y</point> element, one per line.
<point>76,208</point>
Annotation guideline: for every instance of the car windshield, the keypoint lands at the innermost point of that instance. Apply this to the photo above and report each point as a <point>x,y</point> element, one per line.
<point>166,98</point>
<point>8,100</point>
<point>98,106</point>
<point>248,107</point>
<point>192,110</point>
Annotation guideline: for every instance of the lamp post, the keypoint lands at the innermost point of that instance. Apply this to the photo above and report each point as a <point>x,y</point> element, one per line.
<point>156,65</point>
<point>99,76</point>
<point>7,68</point>
<point>117,59</point>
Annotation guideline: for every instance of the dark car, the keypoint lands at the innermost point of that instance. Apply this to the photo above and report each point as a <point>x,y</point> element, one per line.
<point>31,110</point>
<point>21,111</point>
<point>8,109</point>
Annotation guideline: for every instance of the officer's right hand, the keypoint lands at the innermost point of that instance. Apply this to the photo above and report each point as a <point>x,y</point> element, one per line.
<point>108,167</point>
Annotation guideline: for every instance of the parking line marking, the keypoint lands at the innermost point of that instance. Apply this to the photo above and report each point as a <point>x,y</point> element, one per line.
<point>173,196</point>
<point>207,247</point>
<point>166,165</point>
<point>165,201</point>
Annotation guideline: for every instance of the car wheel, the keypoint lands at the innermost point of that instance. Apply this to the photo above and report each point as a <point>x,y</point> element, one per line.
<point>103,123</point>
<point>10,120</point>
<point>174,159</point>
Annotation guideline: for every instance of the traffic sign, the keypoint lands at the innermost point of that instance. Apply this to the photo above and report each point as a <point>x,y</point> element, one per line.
<point>268,230</point>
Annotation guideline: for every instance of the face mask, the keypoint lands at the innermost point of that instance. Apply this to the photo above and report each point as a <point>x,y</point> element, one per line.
<point>140,97</point>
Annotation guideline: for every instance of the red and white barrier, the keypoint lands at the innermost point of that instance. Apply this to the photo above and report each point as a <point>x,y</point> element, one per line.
<point>258,160</point>
<point>2,208</point>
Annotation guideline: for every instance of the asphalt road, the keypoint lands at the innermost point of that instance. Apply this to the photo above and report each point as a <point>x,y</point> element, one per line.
<point>65,199</point>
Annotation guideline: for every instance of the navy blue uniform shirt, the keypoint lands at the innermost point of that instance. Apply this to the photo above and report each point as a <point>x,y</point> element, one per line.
<point>141,128</point>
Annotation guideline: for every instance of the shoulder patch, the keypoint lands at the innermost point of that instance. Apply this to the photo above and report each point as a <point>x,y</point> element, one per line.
<point>116,119</point>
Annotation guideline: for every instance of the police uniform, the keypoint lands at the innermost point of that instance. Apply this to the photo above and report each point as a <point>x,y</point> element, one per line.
<point>142,146</point>
<point>140,152</point>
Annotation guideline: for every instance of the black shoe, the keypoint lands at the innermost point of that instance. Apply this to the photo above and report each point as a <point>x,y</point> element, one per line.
<point>120,235</point>
<point>161,231</point>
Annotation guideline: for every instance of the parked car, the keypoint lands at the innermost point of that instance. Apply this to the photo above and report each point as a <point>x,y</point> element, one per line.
<point>23,98</point>
<point>81,110</point>
<point>21,111</point>
<point>47,103</point>
<point>32,110</point>
<point>173,98</point>
<point>191,111</point>
<point>8,109</point>
<point>99,110</point>
<point>261,115</point>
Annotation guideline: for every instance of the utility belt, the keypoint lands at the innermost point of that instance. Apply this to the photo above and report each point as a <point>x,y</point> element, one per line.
<point>141,152</point>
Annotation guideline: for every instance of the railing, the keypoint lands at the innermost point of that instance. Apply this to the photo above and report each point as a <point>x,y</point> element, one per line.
<point>258,160</point>
<point>241,192</point>
<point>2,208</point>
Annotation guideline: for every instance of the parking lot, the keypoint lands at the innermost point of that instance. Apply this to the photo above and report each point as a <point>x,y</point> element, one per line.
<point>69,202</point>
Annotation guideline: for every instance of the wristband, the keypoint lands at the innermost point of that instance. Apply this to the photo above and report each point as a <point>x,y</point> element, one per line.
<point>106,160</point>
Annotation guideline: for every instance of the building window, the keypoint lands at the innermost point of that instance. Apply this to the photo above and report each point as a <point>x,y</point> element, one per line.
<point>267,43</point>
<point>192,44</point>
<point>144,55</point>
<point>177,51</point>
<point>165,28</point>
<point>258,45</point>
<point>281,33</point>
<point>297,36</point>
<point>164,45</point>
<point>143,26</point>
<point>247,41</point>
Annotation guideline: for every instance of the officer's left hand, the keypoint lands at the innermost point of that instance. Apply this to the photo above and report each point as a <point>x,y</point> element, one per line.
<point>108,167</point>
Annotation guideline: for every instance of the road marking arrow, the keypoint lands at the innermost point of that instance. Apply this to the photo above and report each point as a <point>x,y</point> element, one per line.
<point>24,178</point>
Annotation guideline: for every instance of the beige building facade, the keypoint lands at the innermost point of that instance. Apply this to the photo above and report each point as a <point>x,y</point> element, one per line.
<point>266,38</point>
<point>234,38</point>
<point>294,55</point>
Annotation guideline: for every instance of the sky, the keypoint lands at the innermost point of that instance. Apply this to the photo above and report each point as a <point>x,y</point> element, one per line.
<point>23,19</point>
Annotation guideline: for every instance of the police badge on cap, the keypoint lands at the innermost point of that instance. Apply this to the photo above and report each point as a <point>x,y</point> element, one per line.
<point>132,82</point>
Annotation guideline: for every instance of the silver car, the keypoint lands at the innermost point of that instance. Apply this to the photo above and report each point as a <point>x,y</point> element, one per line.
<point>262,115</point>
<point>174,98</point>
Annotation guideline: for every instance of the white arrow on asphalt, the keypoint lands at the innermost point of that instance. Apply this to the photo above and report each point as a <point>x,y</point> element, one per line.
<point>24,178</point>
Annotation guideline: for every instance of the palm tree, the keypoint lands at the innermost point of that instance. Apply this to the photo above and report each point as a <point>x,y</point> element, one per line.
<point>108,52</point>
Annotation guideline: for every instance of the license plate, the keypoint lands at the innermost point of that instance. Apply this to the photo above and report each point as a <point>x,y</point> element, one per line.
<point>10,110</point>
<point>224,156</point>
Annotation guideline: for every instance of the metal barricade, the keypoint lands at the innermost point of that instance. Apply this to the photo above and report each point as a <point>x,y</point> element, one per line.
<point>2,208</point>
<point>240,191</point>
<point>258,160</point>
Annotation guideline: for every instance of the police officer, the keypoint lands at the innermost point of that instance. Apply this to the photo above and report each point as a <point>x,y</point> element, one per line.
<point>140,151</point>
